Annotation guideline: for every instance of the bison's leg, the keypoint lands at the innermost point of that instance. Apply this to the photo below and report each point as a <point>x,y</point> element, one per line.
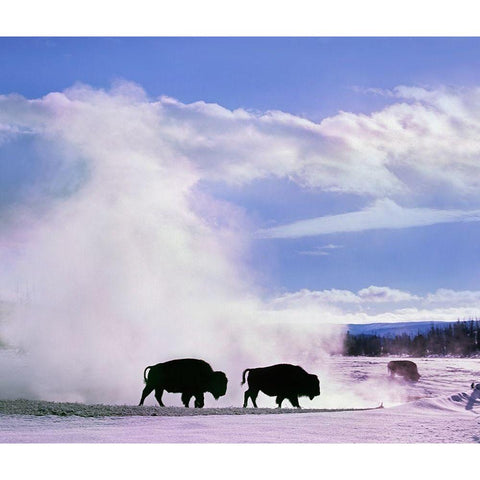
<point>146,392</point>
<point>199,400</point>
<point>250,394</point>
<point>186,398</point>
<point>158,396</point>
<point>294,401</point>
<point>253,396</point>
<point>279,401</point>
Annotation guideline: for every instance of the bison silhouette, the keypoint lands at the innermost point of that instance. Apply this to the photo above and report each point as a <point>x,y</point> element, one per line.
<point>283,381</point>
<point>188,376</point>
<point>404,368</point>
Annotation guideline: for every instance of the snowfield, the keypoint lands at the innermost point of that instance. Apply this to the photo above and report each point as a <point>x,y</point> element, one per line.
<point>440,408</point>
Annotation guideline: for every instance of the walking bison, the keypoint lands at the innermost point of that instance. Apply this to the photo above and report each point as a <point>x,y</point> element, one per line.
<point>403,368</point>
<point>283,381</point>
<point>188,376</point>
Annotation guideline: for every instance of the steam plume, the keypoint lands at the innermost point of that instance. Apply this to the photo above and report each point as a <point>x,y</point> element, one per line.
<point>128,263</point>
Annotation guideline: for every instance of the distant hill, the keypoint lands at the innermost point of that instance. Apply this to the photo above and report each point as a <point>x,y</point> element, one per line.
<point>393,329</point>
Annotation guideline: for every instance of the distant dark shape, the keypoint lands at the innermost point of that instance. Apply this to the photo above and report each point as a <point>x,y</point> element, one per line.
<point>188,376</point>
<point>473,399</point>
<point>283,381</point>
<point>404,368</point>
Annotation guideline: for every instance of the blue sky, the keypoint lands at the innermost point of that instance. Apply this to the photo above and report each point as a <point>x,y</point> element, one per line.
<point>359,145</point>
<point>315,77</point>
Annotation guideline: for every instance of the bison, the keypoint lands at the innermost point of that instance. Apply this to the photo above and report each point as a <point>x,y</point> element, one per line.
<point>281,381</point>
<point>188,376</point>
<point>404,368</point>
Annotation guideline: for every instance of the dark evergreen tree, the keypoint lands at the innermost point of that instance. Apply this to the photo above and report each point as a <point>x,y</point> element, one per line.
<point>461,338</point>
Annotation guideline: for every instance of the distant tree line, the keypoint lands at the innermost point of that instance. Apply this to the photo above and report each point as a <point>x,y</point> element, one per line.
<point>459,338</point>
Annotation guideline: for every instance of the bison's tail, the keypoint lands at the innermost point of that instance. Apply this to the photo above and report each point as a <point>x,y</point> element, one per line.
<point>243,375</point>
<point>145,373</point>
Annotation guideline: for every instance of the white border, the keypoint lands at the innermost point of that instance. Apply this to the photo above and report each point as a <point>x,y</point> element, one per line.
<point>239,18</point>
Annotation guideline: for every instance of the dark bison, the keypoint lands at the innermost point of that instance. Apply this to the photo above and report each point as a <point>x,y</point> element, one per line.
<point>188,376</point>
<point>404,368</point>
<point>281,381</point>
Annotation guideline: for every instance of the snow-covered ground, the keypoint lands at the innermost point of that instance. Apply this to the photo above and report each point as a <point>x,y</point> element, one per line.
<point>440,408</point>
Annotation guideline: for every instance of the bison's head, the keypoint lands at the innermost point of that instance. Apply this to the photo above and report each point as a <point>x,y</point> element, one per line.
<point>412,375</point>
<point>218,384</point>
<point>313,386</point>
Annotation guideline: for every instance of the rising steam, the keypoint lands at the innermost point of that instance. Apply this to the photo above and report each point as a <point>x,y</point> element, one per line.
<point>127,263</point>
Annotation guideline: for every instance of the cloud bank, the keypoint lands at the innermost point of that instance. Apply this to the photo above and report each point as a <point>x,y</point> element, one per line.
<point>425,144</point>
<point>375,304</point>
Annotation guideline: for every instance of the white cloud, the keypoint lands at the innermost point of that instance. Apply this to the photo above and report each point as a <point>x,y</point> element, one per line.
<point>382,214</point>
<point>443,295</point>
<point>320,250</point>
<point>373,304</point>
<point>424,146</point>
<point>323,298</point>
<point>385,294</point>
<point>307,298</point>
